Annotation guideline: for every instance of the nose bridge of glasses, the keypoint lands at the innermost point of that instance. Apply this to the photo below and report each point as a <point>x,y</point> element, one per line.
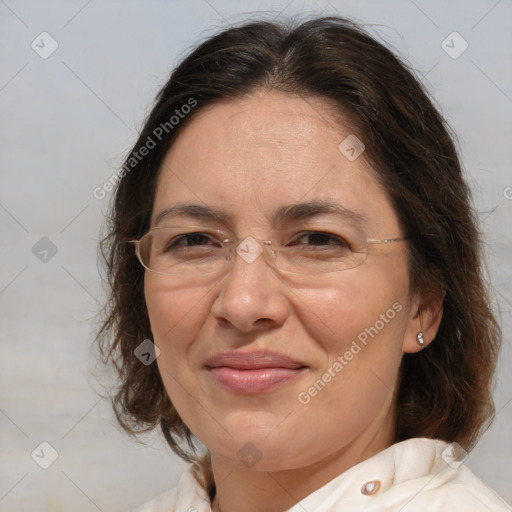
<point>250,248</point>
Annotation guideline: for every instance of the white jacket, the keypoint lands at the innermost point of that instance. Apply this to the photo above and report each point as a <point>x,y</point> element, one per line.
<point>417,475</point>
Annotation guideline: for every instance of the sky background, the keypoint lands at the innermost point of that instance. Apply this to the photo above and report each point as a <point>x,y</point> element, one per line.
<point>76,80</point>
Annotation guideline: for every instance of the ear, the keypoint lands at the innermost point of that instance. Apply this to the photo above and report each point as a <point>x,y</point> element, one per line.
<point>425,317</point>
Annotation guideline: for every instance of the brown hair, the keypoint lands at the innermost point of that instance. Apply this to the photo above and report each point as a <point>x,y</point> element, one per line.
<point>445,391</point>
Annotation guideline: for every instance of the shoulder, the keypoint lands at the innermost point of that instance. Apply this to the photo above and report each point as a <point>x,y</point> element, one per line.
<point>187,496</point>
<point>417,474</point>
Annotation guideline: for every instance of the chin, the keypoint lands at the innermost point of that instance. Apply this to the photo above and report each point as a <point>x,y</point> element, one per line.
<point>261,449</point>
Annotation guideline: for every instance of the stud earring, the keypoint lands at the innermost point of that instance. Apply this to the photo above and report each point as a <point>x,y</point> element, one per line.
<point>420,339</point>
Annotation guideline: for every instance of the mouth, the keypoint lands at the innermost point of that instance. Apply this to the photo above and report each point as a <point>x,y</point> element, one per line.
<point>253,372</point>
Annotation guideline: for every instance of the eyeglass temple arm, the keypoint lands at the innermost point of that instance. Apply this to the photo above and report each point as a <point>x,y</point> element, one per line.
<point>385,240</point>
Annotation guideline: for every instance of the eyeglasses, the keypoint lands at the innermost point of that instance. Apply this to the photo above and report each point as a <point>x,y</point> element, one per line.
<point>196,250</point>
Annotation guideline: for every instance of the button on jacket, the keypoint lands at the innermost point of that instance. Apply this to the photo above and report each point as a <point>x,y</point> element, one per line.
<point>417,475</point>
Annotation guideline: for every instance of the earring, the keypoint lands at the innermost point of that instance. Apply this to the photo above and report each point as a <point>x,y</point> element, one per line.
<point>420,339</point>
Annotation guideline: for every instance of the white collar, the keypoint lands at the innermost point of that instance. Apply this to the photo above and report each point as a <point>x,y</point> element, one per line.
<point>416,474</point>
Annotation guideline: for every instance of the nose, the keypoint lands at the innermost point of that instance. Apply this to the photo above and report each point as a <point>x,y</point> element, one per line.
<point>251,297</point>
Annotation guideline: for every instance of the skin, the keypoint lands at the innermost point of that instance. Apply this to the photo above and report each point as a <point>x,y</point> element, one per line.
<point>249,156</point>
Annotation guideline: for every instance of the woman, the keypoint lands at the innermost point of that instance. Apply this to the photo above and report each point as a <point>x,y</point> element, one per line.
<point>293,232</point>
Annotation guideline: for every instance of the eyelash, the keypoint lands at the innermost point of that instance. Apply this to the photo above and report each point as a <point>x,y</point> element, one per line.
<point>339,240</point>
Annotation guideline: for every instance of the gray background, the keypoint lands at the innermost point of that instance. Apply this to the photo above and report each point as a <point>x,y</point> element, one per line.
<point>67,121</point>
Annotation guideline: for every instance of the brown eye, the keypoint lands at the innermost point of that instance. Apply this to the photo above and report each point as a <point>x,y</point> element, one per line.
<point>189,240</point>
<point>320,239</point>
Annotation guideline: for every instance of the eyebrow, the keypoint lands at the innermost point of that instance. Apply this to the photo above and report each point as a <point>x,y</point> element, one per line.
<point>296,211</point>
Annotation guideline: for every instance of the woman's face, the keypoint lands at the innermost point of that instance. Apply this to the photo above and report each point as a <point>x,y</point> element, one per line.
<point>261,366</point>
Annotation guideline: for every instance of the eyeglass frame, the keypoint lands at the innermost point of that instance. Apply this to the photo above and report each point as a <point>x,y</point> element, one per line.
<point>267,245</point>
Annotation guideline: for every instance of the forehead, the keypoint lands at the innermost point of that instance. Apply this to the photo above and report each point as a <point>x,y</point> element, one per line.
<point>252,155</point>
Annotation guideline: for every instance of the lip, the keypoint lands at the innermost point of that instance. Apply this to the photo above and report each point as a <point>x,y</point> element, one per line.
<point>253,372</point>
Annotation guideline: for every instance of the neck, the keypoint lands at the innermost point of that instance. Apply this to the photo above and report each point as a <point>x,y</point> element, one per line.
<point>246,490</point>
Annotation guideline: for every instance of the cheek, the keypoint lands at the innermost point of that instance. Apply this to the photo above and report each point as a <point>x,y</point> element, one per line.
<point>359,324</point>
<point>175,313</point>
<point>335,314</point>
<point>329,315</point>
